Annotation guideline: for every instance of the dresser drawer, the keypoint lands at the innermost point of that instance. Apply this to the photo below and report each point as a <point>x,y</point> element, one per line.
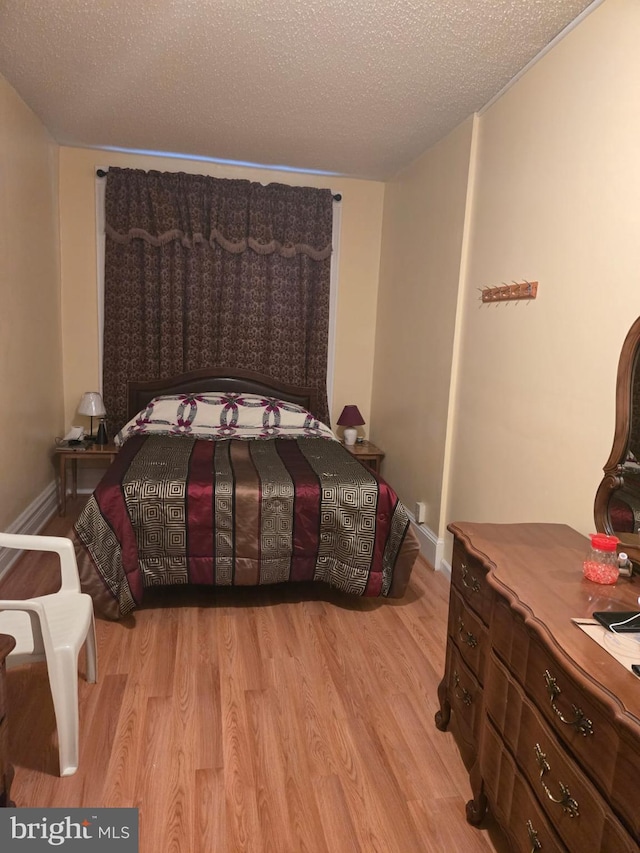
<point>469,634</point>
<point>606,752</point>
<point>465,695</point>
<point>513,803</point>
<point>468,577</point>
<point>573,805</point>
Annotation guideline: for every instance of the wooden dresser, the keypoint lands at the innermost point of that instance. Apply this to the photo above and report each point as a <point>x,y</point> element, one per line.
<point>547,721</point>
<point>6,770</point>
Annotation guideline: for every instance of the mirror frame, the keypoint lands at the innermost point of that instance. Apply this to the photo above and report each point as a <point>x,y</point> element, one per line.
<point>614,468</point>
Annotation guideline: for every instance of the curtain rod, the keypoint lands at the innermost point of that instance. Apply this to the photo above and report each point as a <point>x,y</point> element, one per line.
<point>102,174</point>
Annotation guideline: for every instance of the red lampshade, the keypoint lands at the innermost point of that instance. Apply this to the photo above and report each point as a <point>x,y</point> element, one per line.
<point>350,417</point>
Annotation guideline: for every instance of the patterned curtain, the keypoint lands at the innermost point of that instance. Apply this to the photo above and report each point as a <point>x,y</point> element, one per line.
<point>209,272</point>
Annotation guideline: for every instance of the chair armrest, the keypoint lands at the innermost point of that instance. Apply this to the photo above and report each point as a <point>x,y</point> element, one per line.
<point>70,580</point>
<point>21,604</point>
<point>37,617</point>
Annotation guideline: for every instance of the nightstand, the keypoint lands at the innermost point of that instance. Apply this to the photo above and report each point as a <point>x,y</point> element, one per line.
<point>367,453</point>
<point>102,452</point>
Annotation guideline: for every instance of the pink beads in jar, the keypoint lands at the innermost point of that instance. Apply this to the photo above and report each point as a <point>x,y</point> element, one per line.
<point>601,564</point>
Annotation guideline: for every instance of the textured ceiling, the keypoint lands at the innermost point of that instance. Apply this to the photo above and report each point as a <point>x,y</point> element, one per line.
<point>355,87</point>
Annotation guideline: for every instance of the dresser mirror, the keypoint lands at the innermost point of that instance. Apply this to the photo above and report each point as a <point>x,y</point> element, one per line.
<point>617,503</point>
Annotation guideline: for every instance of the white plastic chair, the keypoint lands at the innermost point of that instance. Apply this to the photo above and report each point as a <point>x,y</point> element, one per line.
<point>54,628</point>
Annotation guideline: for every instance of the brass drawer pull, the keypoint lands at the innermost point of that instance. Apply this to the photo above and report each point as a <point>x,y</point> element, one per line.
<point>474,585</point>
<point>533,838</point>
<point>569,805</point>
<point>580,722</point>
<point>470,639</point>
<point>464,696</point>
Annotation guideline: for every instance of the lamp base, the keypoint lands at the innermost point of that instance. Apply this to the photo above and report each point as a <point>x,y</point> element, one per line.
<point>350,434</point>
<point>101,437</point>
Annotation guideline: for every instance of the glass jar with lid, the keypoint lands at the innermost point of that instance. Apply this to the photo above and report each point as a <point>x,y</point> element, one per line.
<point>601,563</point>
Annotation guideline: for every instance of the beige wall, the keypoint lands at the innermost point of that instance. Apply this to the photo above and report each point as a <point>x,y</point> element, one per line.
<point>361,211</point>
<point>419,276</point>
<point>556,200</point>
<point>505,412</point>
<point>31,387</point>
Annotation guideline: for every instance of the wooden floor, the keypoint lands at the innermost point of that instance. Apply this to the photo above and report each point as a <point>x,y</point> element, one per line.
<point>257,720</point>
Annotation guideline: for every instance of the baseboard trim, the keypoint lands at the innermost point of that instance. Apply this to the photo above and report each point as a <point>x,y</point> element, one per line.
<point>445,568</point>
<point>431,548</point>
<point>30,522</point>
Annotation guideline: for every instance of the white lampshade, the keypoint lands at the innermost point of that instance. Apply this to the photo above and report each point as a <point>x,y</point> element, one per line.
<point>91,404</point>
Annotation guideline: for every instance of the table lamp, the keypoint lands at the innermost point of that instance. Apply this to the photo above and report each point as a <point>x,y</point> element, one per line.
<point>350,418</point>
<point>91,404</point>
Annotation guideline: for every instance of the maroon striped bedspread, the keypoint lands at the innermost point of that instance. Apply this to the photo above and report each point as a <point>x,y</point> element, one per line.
<point>177,510</point>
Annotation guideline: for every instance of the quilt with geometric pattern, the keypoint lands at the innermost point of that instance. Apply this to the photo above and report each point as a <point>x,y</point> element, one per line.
<point>181,510</point>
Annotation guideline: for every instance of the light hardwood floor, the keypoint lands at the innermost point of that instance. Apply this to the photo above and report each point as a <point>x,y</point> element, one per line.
<point>265,721</point>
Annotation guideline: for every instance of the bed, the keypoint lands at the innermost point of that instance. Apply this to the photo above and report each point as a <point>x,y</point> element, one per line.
<point>229,479</point>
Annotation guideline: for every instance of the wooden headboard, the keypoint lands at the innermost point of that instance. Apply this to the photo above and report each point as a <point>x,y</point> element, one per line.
<point>139,394</point>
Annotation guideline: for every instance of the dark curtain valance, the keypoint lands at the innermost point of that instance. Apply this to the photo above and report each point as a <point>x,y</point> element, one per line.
<point>160,207</point>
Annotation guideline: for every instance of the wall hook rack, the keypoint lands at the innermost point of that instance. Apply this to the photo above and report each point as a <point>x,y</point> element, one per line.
<point>510,292</point>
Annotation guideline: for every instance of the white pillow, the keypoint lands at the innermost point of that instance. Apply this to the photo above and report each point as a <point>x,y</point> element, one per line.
<point>223,415</point>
